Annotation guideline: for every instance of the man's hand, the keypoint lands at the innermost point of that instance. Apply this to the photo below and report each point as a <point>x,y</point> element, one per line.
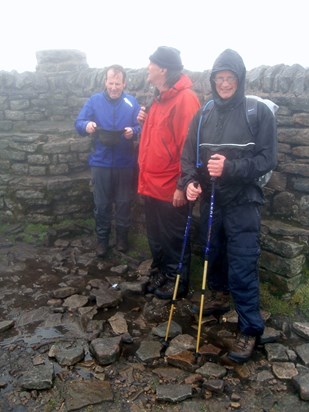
<point>193,191</point>
<point>128,133</point>
<point>90,128</point>
<point>179,198</point>
<point>142,114</point>
<point>215,165</point>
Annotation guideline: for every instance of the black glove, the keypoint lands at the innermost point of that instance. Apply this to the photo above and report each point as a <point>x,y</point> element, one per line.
<point>108,137</point>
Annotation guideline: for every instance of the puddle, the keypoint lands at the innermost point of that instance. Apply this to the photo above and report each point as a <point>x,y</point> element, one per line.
<point>38,336</point>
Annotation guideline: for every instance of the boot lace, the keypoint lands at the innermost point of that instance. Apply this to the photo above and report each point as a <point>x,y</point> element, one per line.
<point>243,340</point>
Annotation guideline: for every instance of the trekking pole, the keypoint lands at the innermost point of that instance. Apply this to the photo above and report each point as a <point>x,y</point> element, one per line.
<point>179,271</point>
<point>206,253</point>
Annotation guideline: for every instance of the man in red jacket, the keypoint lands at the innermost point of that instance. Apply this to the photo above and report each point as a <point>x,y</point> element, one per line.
<point>165,127</point>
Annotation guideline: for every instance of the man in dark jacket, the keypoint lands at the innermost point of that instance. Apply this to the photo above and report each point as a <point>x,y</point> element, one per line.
<point>230,154</point>
<point>111,117</point>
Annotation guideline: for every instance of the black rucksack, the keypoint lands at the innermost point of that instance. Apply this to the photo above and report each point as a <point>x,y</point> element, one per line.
<point>251,117</point>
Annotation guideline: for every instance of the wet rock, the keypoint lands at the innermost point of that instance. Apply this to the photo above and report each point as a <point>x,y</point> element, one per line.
<point>38,360</point>
<point>87,312</point>
<point>302,385</point>
<point>244,371</point>
<point>75,302</point>
<point>149,350</point>
<point>141,323</point>
<point>209,351</point>
<point>292,356</point>
<point>59,310</point>
<point>105,350</point>
<point>62,243</point>
<point>39,378</point>
<point>101,283</point>
<point>118,323</point>
<point>214,385</point>
<point>94,328</point>
<point>156,310</point>
<point>65,292</point>
<point>212,370</point>
<point>194,379</point>
<point>284,370</point>
<point>302,329</point>
<point>120,269</point>
<point>144,267</point>
<point>173,393</point>
<point>276,352</point>
<point>79,394</point>
<point>264,376</point>
<point>6,324</point>
<point>126,338</point>
<point>303,352</point>
<point>67,354</point>
<point>302,370</point>
<point>33,316</point>
<point>54,302</point>
<point>170,373</point>
<point>181,343</point>
<point>113,281</point>
<point>137,287</point>
<point>160,330</point>
<point>230,317</point>
<point>106,297</point>
<point>184,360</point>
<point>270,335</point>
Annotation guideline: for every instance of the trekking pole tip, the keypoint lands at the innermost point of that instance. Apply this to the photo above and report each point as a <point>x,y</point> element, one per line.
<point>165,345</point>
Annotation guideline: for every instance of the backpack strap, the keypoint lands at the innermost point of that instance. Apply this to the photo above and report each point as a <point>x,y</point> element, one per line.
<point>251,111</point>
<point>205,111</point>
<point>251,118</point>
<point>251,114</point>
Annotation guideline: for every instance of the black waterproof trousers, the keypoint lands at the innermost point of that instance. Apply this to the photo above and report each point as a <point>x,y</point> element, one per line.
<point>165,226</point>
<point>112,186</point>
<point>233,259</point>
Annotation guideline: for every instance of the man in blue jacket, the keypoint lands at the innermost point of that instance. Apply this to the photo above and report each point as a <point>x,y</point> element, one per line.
<point>111,118</point>
<point>236,159</point>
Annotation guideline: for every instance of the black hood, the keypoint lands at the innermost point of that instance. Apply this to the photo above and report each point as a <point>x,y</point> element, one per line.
<point>229,60</point>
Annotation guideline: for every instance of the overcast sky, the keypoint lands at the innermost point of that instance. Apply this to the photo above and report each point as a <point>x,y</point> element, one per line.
<point>264,32</point>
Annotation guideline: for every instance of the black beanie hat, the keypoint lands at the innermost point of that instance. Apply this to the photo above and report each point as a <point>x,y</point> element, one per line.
<point>167,58</point>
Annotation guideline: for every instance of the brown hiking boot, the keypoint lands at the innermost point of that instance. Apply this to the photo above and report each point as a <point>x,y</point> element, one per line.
<point>217,304</point>
<point>242,349</point>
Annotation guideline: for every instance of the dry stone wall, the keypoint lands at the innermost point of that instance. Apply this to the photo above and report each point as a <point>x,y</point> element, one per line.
<point>44,176</point>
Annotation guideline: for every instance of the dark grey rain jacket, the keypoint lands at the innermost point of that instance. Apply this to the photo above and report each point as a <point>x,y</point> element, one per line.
<point>224,130</point>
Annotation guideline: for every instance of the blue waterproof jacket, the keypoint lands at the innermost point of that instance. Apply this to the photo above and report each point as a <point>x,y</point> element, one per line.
<point>110,114</point>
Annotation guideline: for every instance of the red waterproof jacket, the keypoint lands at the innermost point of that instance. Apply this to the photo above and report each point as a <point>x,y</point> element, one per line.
<point>162,139</point>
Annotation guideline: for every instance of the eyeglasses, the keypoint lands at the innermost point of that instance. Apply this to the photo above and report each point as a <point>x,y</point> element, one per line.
<point>220,80</point>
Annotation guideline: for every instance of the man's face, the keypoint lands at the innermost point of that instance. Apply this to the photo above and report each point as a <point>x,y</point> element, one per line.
<point>156,75</point>
<point>114,84</point>
<point>226,84</point>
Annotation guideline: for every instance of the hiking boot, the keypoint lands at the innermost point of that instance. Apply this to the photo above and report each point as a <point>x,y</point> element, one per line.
<point>167,290</point>
<point>122,241</point>
<point>242,349</point>
<point>101,249</point>
<point>217,304</point>
<point>156,280</point>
